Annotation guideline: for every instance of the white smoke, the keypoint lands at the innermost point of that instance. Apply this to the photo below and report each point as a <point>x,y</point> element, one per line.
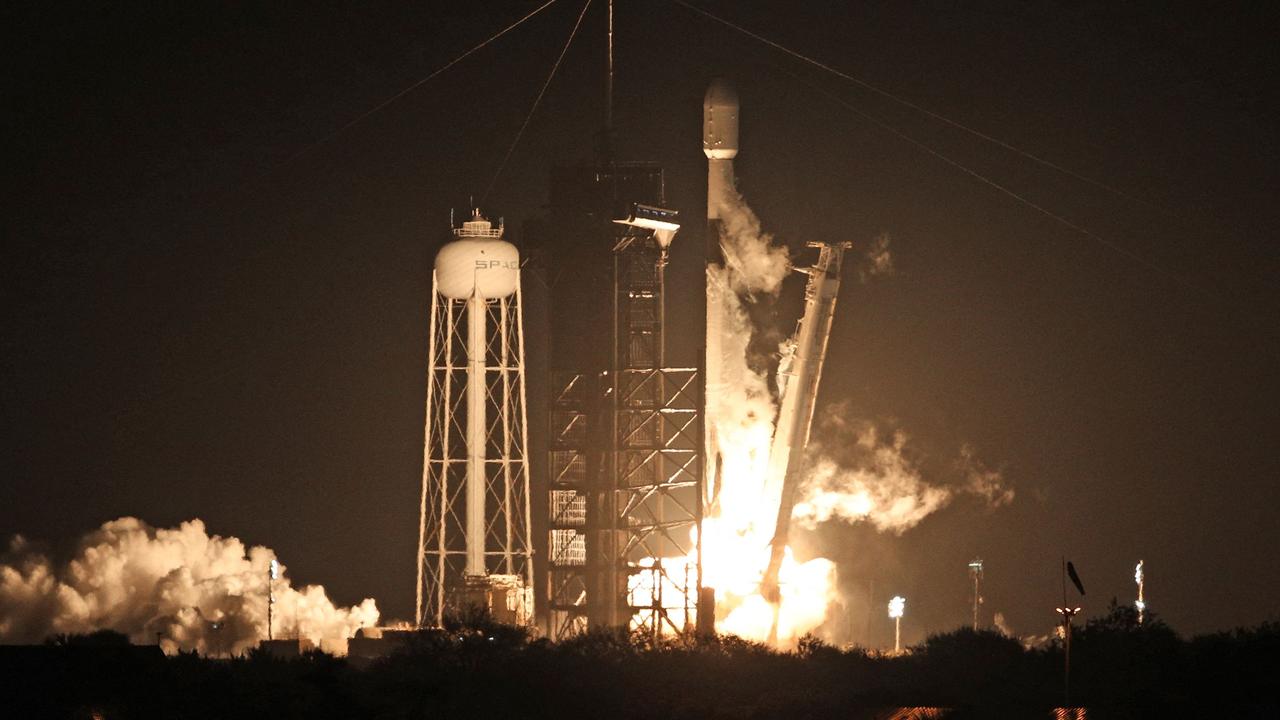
<point>744,406</point>
<point>754,264</point>
<point>877,260</point>
<point>982,481</point>
<point>190,590</point>
<point>874,480</point>
<point>885,489</point>
<point>744,410</point>
<point>736,534</point>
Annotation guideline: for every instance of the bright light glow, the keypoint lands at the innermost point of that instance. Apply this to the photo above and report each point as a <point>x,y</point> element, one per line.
<point>197,590</point>
<point>1137,573</point>
<point>275,569</point>
<point>1140,605</point>
<point>896,606</point>
<point>737,530</point>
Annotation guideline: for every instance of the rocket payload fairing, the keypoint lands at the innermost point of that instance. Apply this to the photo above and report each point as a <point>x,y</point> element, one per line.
<point>720,144</point>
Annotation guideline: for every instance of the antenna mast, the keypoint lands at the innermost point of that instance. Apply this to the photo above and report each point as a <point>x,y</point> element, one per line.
<point>975,569</point>
<point>608,79</point>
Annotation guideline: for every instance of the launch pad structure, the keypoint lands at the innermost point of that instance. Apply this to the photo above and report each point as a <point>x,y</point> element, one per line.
<point>632,461</point>
<point>631,467</point>
<point>624,450</point>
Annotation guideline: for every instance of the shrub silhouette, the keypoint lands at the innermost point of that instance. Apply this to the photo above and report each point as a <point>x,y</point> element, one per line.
<point>475,667</point>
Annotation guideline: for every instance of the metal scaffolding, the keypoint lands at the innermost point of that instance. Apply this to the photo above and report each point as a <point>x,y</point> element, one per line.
<point>624,471</point>
<point>570,487</point>
<point>464,387</point>
<point>658,464</point>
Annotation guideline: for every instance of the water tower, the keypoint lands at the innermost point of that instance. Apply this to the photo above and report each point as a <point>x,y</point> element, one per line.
<point>474,542</point>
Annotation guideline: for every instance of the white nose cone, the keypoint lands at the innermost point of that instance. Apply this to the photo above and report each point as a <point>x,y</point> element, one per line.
<point>479,260</point>
<point>720,121</point>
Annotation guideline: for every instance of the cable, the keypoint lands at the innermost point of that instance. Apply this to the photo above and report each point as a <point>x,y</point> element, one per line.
<point>416,85</point>
<point>1001,188</point>
<point>232,192</point>
<point>168,395</point>
<point>918,108</point>
<point>520,133</point>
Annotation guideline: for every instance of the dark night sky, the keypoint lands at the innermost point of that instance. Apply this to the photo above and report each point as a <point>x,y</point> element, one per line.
<point>198,322</point>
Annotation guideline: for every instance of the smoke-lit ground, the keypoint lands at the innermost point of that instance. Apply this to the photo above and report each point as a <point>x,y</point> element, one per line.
<point>182,587</point>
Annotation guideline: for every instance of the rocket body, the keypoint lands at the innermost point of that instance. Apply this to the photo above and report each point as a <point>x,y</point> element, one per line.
<point>720,144</point>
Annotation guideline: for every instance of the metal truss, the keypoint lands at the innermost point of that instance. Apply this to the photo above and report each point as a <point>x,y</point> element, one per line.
<point>570,485</point>
<point>442,532</point>
<point>658,466</point>
<point>625,442</point>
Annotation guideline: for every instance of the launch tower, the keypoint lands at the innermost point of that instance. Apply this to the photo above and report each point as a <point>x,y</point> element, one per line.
<point>624,442</point>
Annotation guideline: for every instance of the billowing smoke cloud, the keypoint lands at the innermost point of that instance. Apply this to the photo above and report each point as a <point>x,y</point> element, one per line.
<point>743,415</point>
<point>737,532</point>
<point>982,481</point>
<point>873,479</point>
<point>876,261</point>
<point>884,489</point>
<point>189,589</point>
<point>754,264</point>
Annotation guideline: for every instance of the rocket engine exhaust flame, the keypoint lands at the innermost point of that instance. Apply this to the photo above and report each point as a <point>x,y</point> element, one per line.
<point>739,526</point>
<point>756,480</point>
<point>871,479</point>
<point>182,586</point>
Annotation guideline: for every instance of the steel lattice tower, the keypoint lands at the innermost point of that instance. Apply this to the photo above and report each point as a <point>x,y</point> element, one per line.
<point>625,431</point>
<point>475,548</point>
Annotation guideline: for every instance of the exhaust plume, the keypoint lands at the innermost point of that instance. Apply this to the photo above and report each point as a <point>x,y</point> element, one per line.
<point>182,586</point>
<point>754,264</point>
<point>874,479</point>
<point>867,479</point>
<point>876,261</point>
<point>981,481</point>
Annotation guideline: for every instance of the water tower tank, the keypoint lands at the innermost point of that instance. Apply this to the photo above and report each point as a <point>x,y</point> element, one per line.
<point>477,259</point>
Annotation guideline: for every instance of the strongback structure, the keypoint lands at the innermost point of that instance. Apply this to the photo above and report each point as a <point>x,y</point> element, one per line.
<point>625,466</point>
<point>474,538</point>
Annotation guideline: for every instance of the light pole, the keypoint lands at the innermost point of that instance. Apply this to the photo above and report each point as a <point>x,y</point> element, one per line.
<point>272,574</point>
<point>896,607</point>
<point>975,569</point>
<point>1140,579</point>
<point>1067,613</point>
